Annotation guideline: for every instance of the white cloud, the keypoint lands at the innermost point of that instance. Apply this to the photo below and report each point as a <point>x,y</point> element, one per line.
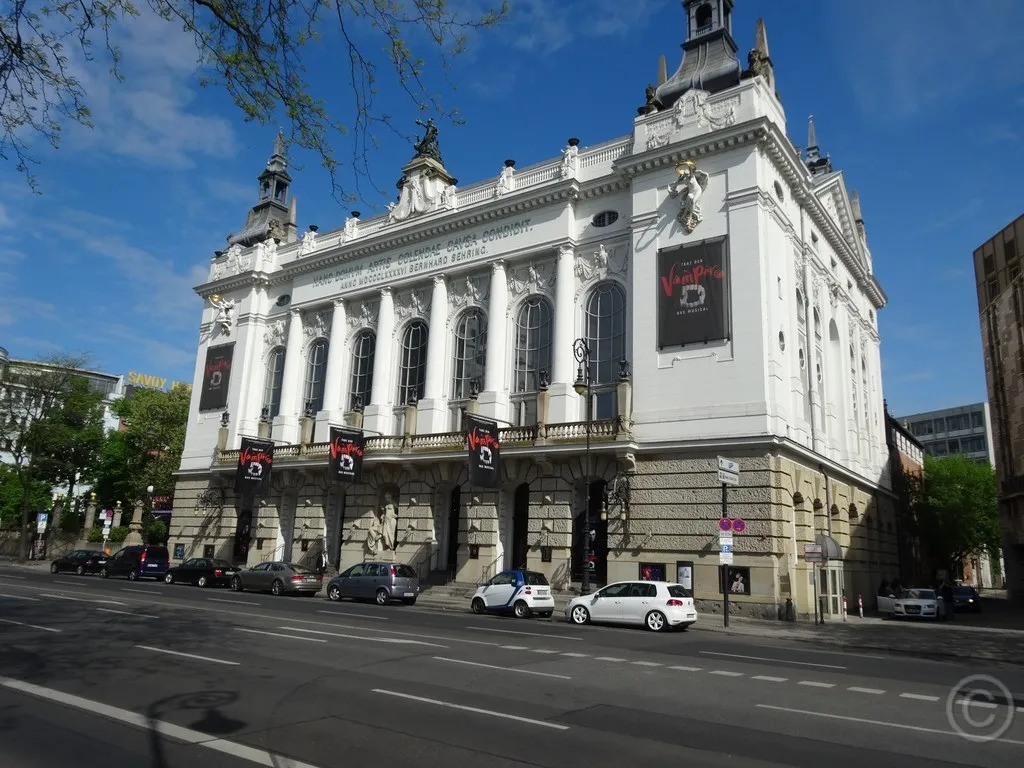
<point>5,218</point>
<point>15,309</point>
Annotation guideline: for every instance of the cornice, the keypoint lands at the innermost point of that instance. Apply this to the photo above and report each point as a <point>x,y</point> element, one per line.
<point>749,132</point>
<point>233,283</point>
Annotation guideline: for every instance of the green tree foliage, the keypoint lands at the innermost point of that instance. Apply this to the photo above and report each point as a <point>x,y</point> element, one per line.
<point>958,514</point>
<point>72,437</point>
<point>255,51</point>
<point>11,493</point>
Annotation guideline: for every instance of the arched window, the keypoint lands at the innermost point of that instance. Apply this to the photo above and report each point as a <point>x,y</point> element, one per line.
<point>412,373</point>
<point>469,360</point>
<point>316,371</point>
<point>361,380</point>
<point>865,391</point>
<point>703,18</point>
<point>854,399</point>
<point>606,337</point>
<point>801,310</point>
<point>532,357</point>
<point>273,378</point>
<point>819,363</point>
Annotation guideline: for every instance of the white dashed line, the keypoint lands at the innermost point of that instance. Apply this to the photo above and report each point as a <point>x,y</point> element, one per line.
<point>19,597</point>
<point>515,647</point>
<point>127,613</point>
<point>278,634</point>
<point>33,626</point>
<point>577,655</point>
<point>686,669</point>
<point>918,697</point>
<point>188,655</point>
<point>858,689</point>
<point>648,664</point>
<point>816,684</point>
<point>769,678</point>
<point>609,658</point>
<point>503,669</point>
<point>542,650</point>
<point>725,673</point>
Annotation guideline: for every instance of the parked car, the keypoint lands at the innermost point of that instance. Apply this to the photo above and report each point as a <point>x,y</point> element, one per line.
<point>966,598</point>
<point>919,604</point>
<point>139,561</point>
<point>382,582</point>
<point>519,592</point>
<point>81,561</point>
<point>657,605</point>
<point>202,571</point>
<point>278,578</point>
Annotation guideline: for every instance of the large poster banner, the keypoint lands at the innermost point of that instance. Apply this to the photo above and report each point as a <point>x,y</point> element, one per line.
<point>216,376</point>
<point>346,455</point>
<point>693,304</point>
<point>255,460</point>
<point>484,452</point>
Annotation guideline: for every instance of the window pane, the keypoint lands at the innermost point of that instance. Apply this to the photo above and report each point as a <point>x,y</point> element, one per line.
<point>272,384</point>
<point>470,352</point>
<point>533,343</point>
<point>413,372</point>
<point>316,370</point>
<point>606,331</point>
<point>363,354</point>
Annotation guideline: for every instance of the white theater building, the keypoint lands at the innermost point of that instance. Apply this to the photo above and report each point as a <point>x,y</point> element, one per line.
<point>721,280</point>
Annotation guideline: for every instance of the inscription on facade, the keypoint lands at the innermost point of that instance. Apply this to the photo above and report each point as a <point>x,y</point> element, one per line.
<point>470,246</point>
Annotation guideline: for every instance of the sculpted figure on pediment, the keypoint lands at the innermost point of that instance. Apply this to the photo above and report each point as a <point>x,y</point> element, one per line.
<point>570,160</point>
<point>274,334</point>
<point>601,264</point>
<point>317,326</point>
<point>471,291</point>
<point>414,302</point>
<point>308,244</point>
<point>535,277</point>
<point>364,315</point>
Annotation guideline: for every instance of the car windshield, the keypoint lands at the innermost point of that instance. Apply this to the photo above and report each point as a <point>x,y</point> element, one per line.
<point>536,579</point>
<point>920,594</point>
<point>299,568</point>
<point>222,564</point>
<point>678,590</point>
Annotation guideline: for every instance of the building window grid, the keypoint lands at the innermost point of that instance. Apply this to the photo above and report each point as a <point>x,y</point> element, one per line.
<point>274,381</point>
<point>364,351</point>
<point>606,337</point>
<point>412,374</point>
<point>316,373</point>
<point>469,362</point>
<point>533,329</point>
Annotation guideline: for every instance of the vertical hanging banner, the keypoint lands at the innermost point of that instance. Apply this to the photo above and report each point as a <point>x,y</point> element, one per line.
<point>346,455</point>
<point>216,376</point>
<point>484,452</point>
<point>692,299</point>
<point>255,460</point>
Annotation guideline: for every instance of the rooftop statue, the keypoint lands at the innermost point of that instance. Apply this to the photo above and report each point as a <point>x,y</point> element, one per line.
<point>427,146</point>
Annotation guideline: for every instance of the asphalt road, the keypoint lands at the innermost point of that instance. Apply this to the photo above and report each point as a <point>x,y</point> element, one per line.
<point>107,672</point>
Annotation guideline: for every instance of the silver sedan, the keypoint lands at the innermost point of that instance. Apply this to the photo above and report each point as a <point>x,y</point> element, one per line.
<point>278,578</point>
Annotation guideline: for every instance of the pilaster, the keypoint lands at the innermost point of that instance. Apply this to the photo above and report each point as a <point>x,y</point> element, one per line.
<point>494,397</point>
<point>286,425</point>
<point>334,384</point>
<point>563,399</point>
<point>433,413</point>
<point>250,399</point>
<point>378,416</point>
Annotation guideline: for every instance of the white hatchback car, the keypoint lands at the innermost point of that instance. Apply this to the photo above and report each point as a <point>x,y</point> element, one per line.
<point>656,605</point>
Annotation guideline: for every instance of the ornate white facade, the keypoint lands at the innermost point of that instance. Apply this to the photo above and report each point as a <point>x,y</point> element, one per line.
<point>471,298</point>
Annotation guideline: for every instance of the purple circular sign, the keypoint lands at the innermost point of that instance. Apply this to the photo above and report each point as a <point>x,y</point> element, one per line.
<point>738,525</point>
<point>725,524</point>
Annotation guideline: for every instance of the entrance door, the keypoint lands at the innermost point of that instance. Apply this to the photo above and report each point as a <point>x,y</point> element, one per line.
<point>454,515</point>
<point>243,530</point>
<point>599,542</point>
<point>830,589</point>
<point>520,525</point>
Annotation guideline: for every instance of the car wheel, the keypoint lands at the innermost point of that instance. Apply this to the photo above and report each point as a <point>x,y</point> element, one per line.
<point>521,610</point>
<point>382,596</point>
<point>277,587</point>
<point>655,621</point>
<point>204,581</point>
<point>80,570</point>
<point>236,584</point>
<point>133,576</point>
<point>478,606</point>
<point>54,568</point>
<point>169,578</point>
<point>104,573</point>
<point>334,593</point>
<point>579,615</point>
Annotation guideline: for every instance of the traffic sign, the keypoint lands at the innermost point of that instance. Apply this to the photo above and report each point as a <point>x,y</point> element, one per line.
<point>725,537</point>
<point>726,548</point>
<point>814,553</point>
<point>41,520</point>
<point>728,465</point>
<point>725,558</point>
<point>725,524</point>
<point>738,525</point>
<point>728,478</point>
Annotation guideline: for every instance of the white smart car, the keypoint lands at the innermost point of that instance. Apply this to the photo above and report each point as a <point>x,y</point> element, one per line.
<point>519,592</point>
<point>656,605</point>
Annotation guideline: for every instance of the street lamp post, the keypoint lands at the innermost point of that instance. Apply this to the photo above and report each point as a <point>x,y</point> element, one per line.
<point>584,387</point>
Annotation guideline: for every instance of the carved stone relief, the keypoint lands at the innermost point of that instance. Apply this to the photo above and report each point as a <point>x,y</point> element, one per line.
<point>231,263</point>
<point>317,325</point>
<point>600,264</point>
<point>692,111</point>
<point>534,277</point>
<point>829,203</point>
<point>274,334</point>
<point>468,291</point>
<point>414,302</point>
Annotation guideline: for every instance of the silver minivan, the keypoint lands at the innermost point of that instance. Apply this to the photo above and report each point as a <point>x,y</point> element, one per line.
<point>380,582</point>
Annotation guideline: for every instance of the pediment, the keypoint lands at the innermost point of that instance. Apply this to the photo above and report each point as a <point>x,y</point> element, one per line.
<point>835,200</point>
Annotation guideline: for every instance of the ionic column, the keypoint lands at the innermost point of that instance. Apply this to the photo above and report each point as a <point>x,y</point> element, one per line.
<point>493,400</point>
<point>286,425</point>
<point>378,416</point>
<point>334,376</point>
<point>562,398</point>
<point>432,413</point>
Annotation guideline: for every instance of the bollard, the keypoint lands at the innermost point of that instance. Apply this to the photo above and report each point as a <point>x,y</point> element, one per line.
<point>844,607</point>
<point>860,606</point>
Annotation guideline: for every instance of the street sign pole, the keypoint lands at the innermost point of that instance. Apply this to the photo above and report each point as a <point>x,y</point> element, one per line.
<point>725,568</point>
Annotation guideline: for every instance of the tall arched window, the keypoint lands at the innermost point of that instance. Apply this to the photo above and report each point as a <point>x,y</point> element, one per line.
<point>469,360</point>
<point>364,349</point>
<point>866,392</point>
<point>273,379</point>
<point>412,373</point>
<point>532,357</point>
<point>316,372</point>
<point>606,337</point>
<point>802,354</point>
<point>854,399</point>
<point>819,365</point>
<point>801,309</point>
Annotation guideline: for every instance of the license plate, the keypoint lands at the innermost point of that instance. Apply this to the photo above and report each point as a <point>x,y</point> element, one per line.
<point>542,593</point>
<point>409,594</point>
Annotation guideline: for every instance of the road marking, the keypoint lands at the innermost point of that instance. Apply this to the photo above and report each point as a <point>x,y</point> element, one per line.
<point>464,708</point>
<point>82,599</point>
<point>230,602</point>
<point>777,661</point>
<point>68,581</point>
<point>391,640</point>
<point>187,735</point>
<point>33,626</point>
<point>542,650</point>
<point>142,591</point>
<point>419,635</point>
<point>575,655</point>
<point>769,678</point>
<point>515,647</point>
<point>187,655</point>
<point>278,634</point>
<point>10,576</point>
<point>128,613</point>
<point>858,689</point>
<point>609,658</point>
<point>19,597</point>
<point>816,684</point>
<point>687,669</point>
<point>882,723</point>
<point>526,634</point>
<point>356,615</point>
<point>918,697</point>
<point>503,669</point>
<point>725,673</point>
<point>648,664</point>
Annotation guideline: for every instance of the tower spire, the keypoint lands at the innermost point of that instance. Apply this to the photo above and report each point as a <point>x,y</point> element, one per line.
<point>272,213</point>
<point>759,62</point>
<point>709,53</point>
<point>815,163</point>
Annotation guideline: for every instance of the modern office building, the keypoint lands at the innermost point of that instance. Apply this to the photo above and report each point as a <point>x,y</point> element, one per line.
<point>697,288</point>
<point>997,271</point>
<point>965,430</point>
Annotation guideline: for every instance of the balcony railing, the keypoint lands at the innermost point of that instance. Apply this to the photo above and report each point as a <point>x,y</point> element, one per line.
<point>601,431</point>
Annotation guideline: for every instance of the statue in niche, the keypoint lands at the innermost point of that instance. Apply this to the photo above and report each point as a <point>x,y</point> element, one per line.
<point>389,523</point>
<point>427,146</point>
<point>374,535</point>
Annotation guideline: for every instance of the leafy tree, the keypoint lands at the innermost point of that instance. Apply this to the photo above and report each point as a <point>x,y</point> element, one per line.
<point>72,436</point>
<point>11,497</point>
<point>255,51</point>
<point>958,511</point>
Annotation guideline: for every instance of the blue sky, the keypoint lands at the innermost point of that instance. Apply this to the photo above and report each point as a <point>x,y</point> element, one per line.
<point>919,104</point>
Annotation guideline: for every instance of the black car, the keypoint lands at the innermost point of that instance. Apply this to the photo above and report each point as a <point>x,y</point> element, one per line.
<point>966,598</point>
<point>203,571</point>
<point>81,561</point>
<point>139,561</point>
